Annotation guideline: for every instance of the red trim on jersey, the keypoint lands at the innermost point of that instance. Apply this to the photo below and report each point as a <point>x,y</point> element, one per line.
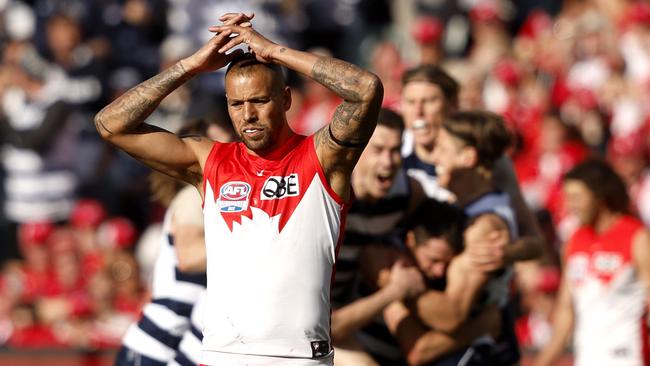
<point>314,156</point>
<point>232,163</point>
<point>339,243</point>
<point>208,166</point>
<point>615,243</point>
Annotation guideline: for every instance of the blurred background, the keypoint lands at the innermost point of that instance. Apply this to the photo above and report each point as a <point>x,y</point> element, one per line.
<point>77,226</point>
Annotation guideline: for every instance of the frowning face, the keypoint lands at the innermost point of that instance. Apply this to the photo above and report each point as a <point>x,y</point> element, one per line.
<point>257,107</point>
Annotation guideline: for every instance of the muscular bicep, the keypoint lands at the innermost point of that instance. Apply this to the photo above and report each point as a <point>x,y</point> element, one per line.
<point>506,180</point>
<point>447,310</point>
<point>164,151</point>
<point>187,230</point>
<point>340,143</point>
<point>641,255</point>
<point>464,285</point>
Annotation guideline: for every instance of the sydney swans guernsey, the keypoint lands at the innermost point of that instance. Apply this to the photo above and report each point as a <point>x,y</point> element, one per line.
<point>272,230</point>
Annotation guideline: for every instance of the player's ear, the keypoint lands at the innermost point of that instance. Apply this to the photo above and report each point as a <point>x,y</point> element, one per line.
<point>286,93</point>
<point>410,240</point>
<point>469,156</point>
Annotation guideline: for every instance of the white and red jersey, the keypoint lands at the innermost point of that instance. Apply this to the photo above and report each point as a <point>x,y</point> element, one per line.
<point>608,297</point>
<point>272,229</point>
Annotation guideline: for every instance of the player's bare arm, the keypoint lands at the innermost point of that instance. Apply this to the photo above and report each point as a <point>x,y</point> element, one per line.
<point>340,144</point>
<point>641,257</point>
<point>530,244</point>
<point>187,229</point>
<point>122,122</point>
<point>403,282</point>
<point>423,345</point>
<point>448,310</point>
<point>563,319</point>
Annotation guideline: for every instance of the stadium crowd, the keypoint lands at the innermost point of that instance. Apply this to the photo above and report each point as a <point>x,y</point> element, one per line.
<point>78,230</point>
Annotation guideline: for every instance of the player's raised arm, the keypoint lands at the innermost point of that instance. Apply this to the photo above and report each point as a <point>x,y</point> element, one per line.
<point>340,144</point>
<point>122,122</point>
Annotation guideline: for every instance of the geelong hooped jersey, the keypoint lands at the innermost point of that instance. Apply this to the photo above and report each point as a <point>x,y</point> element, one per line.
<point>272,228</point>
<point>167,316</point>
<point>608,297</point>
<point>370,222</point>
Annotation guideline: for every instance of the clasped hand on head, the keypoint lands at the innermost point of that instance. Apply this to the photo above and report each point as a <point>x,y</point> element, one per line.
<point>237,27</point>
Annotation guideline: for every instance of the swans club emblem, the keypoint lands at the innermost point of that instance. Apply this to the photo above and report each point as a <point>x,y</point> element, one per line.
<point>233,197</point>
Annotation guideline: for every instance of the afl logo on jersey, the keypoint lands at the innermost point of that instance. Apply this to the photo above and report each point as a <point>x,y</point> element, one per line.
<point>233,197</point>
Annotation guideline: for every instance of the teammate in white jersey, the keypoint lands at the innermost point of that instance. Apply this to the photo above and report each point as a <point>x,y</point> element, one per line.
<point>273,204</point>
<point>603,297</point>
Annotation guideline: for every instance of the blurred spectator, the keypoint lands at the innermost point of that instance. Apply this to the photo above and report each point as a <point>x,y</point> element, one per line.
<point>386,62</point>
<point>604,291</point>
<point>428,32</point>
<point>77,74</point>
<point>37,153</point>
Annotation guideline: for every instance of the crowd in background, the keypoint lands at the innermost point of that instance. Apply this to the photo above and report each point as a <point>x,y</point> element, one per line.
<point>571,79</point>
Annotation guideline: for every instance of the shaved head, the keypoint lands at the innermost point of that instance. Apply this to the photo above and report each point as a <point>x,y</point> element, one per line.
<point>248,66</point>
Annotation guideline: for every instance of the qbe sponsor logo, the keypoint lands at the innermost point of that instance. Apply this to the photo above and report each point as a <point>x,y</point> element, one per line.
<point>276,187</point>
<point>233,197</point>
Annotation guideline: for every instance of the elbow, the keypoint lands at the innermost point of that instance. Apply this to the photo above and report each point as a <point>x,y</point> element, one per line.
<point>417,355</point>
<point>188,266</point>
<point>373,89</point>
<point>100,125</point>
<point>338,331</point>
<point>184,265</point>
<point>414,358</point>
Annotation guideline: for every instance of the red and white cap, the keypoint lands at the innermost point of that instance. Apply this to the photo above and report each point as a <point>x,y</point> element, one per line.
<point>35,232</point>
<point>87,213</point>
<point>117,232</point>
<point>427,30</point>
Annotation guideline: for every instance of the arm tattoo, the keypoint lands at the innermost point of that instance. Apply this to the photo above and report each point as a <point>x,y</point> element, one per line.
<point>134,106</point>
<point>354,120</point>
<point>341,77</point>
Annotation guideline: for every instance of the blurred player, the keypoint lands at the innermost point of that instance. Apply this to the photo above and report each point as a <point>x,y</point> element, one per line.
<point>384,199</point>
<point>603,296</point>
<point>434,241</point>
<point>273,205</point>
<point>467,148</point>
<point>429,96</point>
<point>179,272</point>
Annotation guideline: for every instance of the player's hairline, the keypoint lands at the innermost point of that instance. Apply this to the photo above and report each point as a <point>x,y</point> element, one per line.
<point>252,61</point>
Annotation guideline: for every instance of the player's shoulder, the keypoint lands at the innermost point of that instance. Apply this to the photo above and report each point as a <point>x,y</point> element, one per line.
<point>200,145</point>
<point>187,206</point>
<point>631,224</point>
<point>580,240</point>
<point>187,193</point>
